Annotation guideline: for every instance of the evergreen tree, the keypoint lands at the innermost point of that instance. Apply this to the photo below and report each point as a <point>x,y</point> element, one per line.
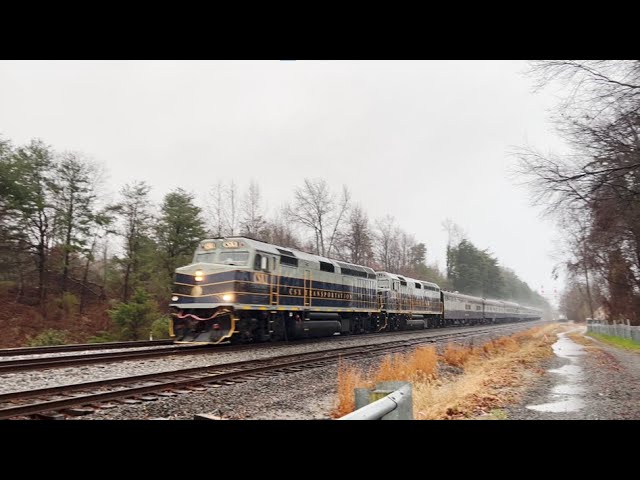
<point>136,226</point>
<point>75,207</point>
<point>179,229</point>
<point>135,318</point>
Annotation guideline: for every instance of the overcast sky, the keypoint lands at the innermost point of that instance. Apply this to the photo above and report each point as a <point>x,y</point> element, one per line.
<point>420,140</point>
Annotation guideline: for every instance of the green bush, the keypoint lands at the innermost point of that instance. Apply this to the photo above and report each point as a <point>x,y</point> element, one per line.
<point>160,328</point>
<point>48,337</point>
<point>69,304</point>
<point>134,319</point>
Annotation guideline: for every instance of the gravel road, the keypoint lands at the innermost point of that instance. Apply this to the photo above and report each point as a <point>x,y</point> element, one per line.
<point>596,382</point>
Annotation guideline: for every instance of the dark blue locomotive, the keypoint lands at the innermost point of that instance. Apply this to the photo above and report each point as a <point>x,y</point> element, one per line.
<point>243,290</point>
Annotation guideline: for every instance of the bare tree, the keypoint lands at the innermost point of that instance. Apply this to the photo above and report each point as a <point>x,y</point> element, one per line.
<point>315,208</point>
<point>385,240</point>
<point>231,216</point>
<point>215,209</point>
<point>278,231</point>
<point>252,215</point>
<point>595,191</point>
<point>356,243</point>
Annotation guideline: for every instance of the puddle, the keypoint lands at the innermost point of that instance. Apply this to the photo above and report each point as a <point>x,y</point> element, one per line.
<point>566,348</point>
<point>568,389</point>
<point>563,406</point>
<point>568,370</point>
<point>566,396</point>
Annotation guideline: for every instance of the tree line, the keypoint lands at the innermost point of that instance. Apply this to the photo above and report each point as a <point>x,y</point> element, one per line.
<point>594,190</point>
<point>62,242</point>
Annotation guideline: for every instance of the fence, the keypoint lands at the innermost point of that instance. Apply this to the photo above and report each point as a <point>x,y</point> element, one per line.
<point>388,401</point>
<point>616,330</point>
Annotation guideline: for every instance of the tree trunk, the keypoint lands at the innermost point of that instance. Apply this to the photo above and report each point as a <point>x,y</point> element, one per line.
<point>41,275</point>
<point>127,273</point>
<point>67,247</point>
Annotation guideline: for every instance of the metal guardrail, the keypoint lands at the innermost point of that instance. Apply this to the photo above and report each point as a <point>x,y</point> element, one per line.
<point>388,401</point>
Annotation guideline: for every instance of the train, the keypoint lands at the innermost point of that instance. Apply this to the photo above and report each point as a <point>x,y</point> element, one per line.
<point>241,290</point>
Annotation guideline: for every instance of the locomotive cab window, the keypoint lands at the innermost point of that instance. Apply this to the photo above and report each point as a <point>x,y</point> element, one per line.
<point>233,258</point>
<point>205,257</point>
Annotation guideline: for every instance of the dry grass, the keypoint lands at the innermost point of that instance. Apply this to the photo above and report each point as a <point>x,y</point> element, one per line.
<point>456,355</point>
<point>348,379</point>
<point>422,363</point>
<point>492,377</point>
<point>581,339</point>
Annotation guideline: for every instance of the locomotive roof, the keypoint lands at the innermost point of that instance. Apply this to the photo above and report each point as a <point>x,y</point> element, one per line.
<point>277,250</point>
<point>395,276</point>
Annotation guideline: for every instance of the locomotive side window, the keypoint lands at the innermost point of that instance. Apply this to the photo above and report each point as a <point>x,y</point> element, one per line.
<point>326,267</point>
<point>260,262</point>
<point>288,261</point>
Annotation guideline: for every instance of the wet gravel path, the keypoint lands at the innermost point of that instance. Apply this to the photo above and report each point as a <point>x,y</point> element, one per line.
<point>592,382</point>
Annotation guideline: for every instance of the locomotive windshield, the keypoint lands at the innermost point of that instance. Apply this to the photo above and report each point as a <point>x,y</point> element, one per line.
<point>233,258</point>
<point>205,257</point>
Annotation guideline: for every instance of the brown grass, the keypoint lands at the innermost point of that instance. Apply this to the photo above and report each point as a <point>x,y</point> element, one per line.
<point>493,375</point>
<point>422,363</point>
<point>456,355</point>
<point>492,378</point>
<point>348,379</point>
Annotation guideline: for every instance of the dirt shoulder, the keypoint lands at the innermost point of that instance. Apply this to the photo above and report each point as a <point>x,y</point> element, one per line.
<point>585,380</point>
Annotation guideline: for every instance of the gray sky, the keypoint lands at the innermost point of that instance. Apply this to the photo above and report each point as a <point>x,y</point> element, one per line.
<point>420,140</point>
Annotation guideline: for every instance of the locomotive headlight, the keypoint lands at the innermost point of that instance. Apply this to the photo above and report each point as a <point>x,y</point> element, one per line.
<point>227,297</point>
<point>199,276</point>
<point>174,298</point>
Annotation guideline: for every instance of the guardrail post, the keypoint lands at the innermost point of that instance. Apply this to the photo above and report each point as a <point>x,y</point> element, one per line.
<point>388,401</point>
<point>362,397</point>
<point>404,410</point>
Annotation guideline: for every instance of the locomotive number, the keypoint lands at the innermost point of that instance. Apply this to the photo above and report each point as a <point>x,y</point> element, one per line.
<point>260,277</point>
<point>230,244</point>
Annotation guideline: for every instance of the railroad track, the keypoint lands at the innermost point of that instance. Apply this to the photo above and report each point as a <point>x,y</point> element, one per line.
<point>10,366</point>
<point>11,352</point>
<point>164,349</point>
<point>47,402</point>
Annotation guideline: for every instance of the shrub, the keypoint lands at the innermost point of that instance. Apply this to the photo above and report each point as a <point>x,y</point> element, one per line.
<point>160,328</point>
<point>134,319</point>
<point>49,336</point>
<point>69,304</point>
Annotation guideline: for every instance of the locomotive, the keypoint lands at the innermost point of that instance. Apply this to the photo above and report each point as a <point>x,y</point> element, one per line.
<point>243,290</point>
